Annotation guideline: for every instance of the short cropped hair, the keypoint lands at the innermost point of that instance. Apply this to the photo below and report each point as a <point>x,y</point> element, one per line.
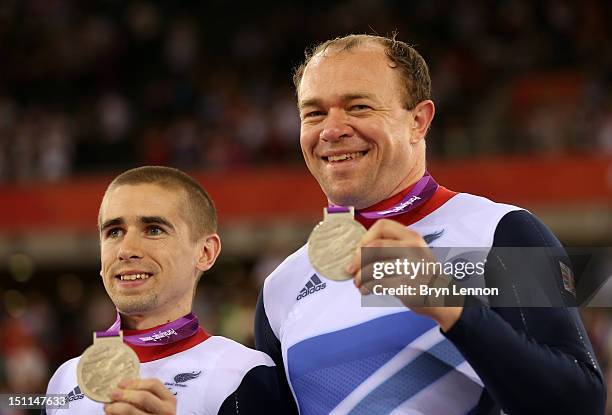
<point>414,72</point>
<point>199,209</point>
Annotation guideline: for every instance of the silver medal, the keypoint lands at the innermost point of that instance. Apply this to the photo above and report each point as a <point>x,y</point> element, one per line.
<point>104,364</point>
<point>333,243</point>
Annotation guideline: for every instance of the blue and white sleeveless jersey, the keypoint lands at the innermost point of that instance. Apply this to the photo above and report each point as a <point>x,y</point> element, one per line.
<point>345,358</point>
<point>342,358</point>
<point>203,378</point>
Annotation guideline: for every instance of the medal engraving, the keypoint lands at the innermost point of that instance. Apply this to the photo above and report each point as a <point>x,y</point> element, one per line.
<point>333,243</point>
<point>103,365</point>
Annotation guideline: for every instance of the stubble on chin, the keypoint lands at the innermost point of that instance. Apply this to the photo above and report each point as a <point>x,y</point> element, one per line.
<point>348,194</point>
<point>135,304</point>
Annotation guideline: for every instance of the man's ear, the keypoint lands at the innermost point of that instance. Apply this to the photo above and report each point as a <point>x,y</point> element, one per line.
<point>210,247</point>
<point>422,115</point>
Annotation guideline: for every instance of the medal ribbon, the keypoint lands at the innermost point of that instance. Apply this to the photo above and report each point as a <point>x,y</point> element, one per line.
<point>422,191</point>
<point>172,332</point>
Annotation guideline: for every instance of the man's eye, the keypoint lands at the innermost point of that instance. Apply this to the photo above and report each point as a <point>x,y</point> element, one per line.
<point>360,107</point>
<point>154,230</point>
<point>312,114</point>
<point>114,233</point>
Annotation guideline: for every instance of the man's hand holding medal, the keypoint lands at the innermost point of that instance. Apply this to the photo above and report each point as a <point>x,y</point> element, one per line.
<point>386,233</point>
<point>140,397</point>
<point>108,372</point>
<point>335,251</point>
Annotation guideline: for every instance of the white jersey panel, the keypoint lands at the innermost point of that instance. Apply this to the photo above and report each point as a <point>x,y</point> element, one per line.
<point>465,221</point>
<point>201,377</point>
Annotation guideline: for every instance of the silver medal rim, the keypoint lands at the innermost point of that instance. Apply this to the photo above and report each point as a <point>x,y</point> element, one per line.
<point>89,393</point>
<point>316,244</point>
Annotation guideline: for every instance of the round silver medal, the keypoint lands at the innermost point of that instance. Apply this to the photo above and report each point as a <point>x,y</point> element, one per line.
<point>333,243</point>
<point>103,365</point>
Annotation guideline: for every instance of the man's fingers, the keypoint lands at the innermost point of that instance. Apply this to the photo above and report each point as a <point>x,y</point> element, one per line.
<point>152,385</point>
<point>410,300</point>
<point>122,408</point>
<point>367,288</point>
<point>385,233</point>
<point>384,254</point>
<point>142,399</point>
<point>386,258</point>
<point>148,395</point>
<point>388,229</point>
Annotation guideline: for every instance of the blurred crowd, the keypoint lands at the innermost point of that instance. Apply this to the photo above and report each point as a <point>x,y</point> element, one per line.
<point>89,86</point>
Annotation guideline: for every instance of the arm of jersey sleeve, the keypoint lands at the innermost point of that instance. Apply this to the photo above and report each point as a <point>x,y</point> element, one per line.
<point>531,360</point>
<point>53,387</point>
<point>266,341</point>
<point>258,393</point>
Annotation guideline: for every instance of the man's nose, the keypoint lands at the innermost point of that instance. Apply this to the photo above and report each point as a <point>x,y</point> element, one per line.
<point>336,126</point>
<point>130,248</point>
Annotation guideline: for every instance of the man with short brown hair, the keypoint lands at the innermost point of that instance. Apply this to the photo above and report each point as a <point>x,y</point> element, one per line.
<point>158,234</point>
<point>365,109</point>
<point>199,208</point>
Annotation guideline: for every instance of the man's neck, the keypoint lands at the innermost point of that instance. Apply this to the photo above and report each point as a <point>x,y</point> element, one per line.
<point>147,321</point>
<point>413,176</point>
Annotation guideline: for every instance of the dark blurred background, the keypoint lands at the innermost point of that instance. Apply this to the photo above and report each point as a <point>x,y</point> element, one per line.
<point>88,89</point>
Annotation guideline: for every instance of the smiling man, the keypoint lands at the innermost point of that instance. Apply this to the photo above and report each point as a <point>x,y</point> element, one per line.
<point>365,108</point>
<point>158,234</point>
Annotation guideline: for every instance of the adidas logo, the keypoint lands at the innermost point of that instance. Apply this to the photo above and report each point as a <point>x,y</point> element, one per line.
<point>313,285</point>
<point>75,394</point>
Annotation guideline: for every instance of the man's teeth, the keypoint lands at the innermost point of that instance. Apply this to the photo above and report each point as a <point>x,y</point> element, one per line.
<point>347,156</point>
<point>133,277</point>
